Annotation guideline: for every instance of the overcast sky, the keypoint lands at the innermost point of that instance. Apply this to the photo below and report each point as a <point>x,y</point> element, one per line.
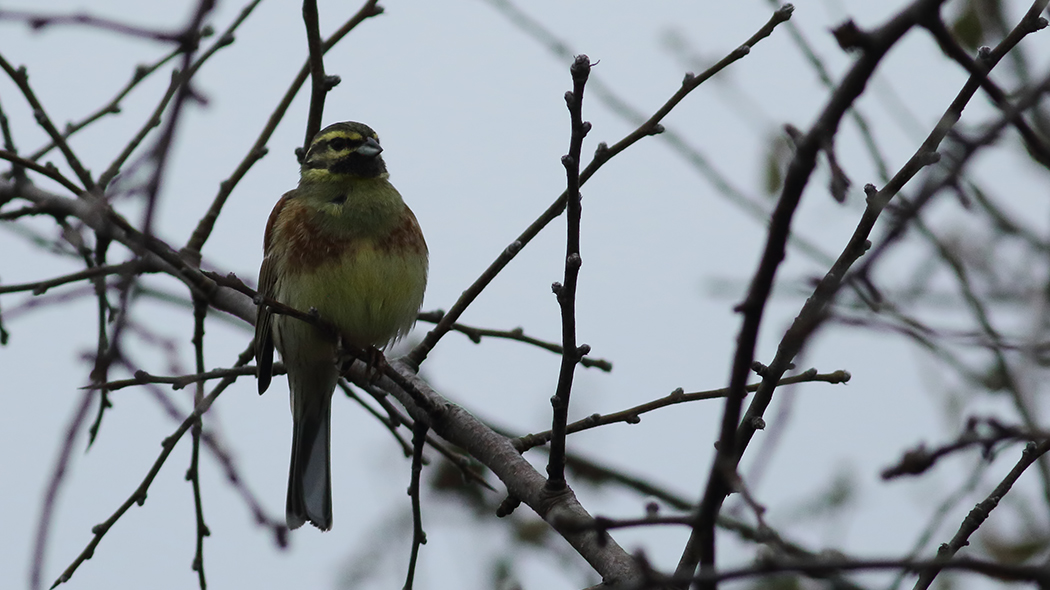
<point>470,111</point>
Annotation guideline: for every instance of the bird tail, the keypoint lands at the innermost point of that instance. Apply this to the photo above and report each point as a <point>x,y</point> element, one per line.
<point>309,476</point>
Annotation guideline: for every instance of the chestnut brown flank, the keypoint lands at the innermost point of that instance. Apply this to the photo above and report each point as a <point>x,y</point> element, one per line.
<point>406,238</point>
<point>308,247</point>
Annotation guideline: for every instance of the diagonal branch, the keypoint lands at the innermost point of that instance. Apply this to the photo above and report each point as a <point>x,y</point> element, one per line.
<point>21,79</point>
<point>602,155</point>
<point>701,545</point>
<point>982,510</point>
<point>453,423</point>
<point>258,149</point>
<point>178,80</point>
<point>138,496</point>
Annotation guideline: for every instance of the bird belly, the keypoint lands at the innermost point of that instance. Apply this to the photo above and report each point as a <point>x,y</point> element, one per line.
<point>372,296</point>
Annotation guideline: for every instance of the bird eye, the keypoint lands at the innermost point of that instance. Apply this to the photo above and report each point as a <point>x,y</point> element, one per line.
<point>338,144</point>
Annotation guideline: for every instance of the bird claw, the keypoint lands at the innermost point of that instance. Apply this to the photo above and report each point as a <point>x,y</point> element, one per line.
<point>375,362</point>
<point>376,366</point>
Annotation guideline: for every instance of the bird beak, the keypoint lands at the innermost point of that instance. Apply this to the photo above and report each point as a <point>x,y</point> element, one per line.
<point>370,148</point>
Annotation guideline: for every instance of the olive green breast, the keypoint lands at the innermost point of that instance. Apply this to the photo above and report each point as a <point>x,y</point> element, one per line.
<point>358,258</point>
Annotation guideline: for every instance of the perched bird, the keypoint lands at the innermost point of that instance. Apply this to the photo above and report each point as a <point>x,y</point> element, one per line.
<point>345,245</point>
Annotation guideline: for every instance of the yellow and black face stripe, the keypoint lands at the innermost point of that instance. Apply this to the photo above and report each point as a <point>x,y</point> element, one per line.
<point>350,149</point>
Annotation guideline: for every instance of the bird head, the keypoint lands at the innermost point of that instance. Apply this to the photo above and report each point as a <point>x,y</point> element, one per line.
<point>343,151</point>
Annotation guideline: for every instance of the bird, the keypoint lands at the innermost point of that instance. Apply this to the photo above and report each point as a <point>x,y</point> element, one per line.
<point>344,247</point>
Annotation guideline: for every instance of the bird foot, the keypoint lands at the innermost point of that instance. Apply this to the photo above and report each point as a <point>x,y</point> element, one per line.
<point>375,361</point>
<point>376,364</point>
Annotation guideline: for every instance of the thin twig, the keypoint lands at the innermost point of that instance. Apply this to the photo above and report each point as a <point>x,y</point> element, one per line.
<point>920,459</point>
<point>102,244</point>
<point>21,79</point>
<point>190,41</point>
<point>180,381</point>
<point>179,79</point>
<point>517,334</point>
<point>113,106</point>
<point>823,566</point>
<point>603,523</point>
<point>40,21</point>
<point>419,537</point>
<point>47,510</point>
<point>678,396</point>
<point>389,421</point>
<point>17,171</point>
<point>566,291</point>
<point>1037,146</point>
<point>258,149</point>
<point>493,450</point>
<point>200,312</point>
<point>138,496</point>
<point>41,287</point>
<point>940,515</point>
<point>318,83</point>
<point>701,545</point>
<point>396,417</point>
<point>48,171</point>
<point>588,469</point>
<point>158,157</point>
<point>602,155</point>
<point>561,50</point>
<point>980,513</point>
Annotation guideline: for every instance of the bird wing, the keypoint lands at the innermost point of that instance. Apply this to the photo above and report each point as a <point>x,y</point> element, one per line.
<point>267,289</point>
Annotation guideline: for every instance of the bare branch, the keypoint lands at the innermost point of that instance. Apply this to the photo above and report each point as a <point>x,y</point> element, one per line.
<point>43,21</point>
<point>517,334</point>
<point>138,496</point>
<point>319,86</point>
<point>41,287</point>
<point>47,510</point>
<point>602,155</point>
<point>200,312</point>
<point>21,78</point>
<point>566,291</point>
<point>48,171</point>
<point>419,538</point>
<point>258,149</point>
<point>678,396</point>
<point>701,546</point>
<point>980,513</point>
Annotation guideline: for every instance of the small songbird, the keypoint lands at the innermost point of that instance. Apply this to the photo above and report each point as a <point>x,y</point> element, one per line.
<point>345,245</point>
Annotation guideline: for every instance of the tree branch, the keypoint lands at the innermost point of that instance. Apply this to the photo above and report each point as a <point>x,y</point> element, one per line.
<point>566,292</point>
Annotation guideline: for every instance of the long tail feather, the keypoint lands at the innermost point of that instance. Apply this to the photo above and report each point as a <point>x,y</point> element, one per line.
<point>309,476</point>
